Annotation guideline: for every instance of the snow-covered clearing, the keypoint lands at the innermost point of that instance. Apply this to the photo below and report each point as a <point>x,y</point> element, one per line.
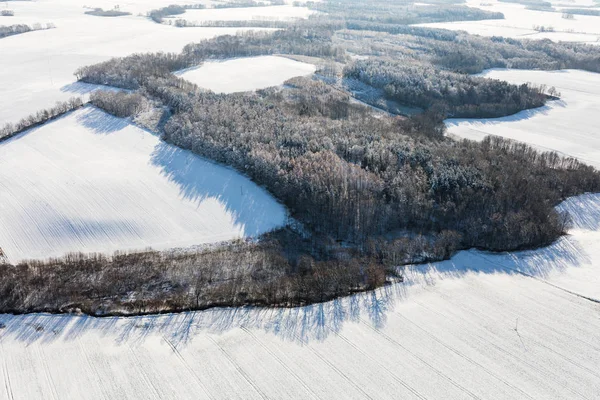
<point>246,74</point>
<point>94,183</point>
<point>36,68</point>
<point>519,23</point>
<point>568,125</point>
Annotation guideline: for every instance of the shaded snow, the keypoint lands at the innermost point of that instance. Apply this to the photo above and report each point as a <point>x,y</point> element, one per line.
<point>246,74</point>
<point>94,183</point>
<point>568,125</point>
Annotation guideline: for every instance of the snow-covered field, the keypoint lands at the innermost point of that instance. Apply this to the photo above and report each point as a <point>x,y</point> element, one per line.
<point>36,68</point>
<point>246,74</point>
<point>468,328</point>
<point>569,125</point>
<point>94,183</point>
<point>519,23</point>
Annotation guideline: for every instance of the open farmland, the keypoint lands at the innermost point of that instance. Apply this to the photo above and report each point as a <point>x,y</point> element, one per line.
<point>94,183</point>
<point>522,23</point>
<point>469,328</point>
<point>568,125</point>
<point>36,68</point>
<point>245,74</point>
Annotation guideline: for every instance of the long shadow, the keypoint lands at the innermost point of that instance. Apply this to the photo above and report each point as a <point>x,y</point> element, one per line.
<point>520,116</point>
<point>252,208</point>
<point>301,325</point>
<point>100,122</point>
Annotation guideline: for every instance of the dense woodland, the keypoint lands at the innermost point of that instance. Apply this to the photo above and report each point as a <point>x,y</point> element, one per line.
<point>365,192</point>
<point>458,94</point>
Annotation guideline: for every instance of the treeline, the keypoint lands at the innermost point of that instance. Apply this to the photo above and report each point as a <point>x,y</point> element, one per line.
<point>236,274</point>
<point>459,95</point>
<point>530,3</point>
<point>22,28</point>
<point>7,13</point>
<point>401,13</point>
<point>248,3</point>
<point>119,104</point>
<point>33,120</point>
<point>133,71</point>
<point>160,14</point>
<point>461,52</point>
<point>581,11</point>
<point>254,23</point>
<point>99,12</point>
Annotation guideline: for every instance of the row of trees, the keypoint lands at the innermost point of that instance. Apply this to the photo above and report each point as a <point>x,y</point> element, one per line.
<point>22,28</point>
<point>237,274</point>
<point>402,12</point>
<point>40,117</point>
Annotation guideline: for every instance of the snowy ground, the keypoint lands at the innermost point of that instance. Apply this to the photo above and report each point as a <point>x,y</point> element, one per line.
<point>569,125</point>
<point>519,23</point>
<point>94,183</point>
<point>246,74</point>
<point>468,328</point>
<point>36,68</point>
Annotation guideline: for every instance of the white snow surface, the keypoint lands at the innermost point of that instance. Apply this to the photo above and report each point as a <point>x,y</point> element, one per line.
<point>568,125</point>
<point>36,68</point>
<point>90,182</point>
<point>519,23</point>
<point>246,74</point>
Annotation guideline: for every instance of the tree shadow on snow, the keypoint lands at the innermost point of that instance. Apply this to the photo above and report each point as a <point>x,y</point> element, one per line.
<point>100,122</point>
<point>520,116</point>
<point>300,325</point>
<point>253,209</point>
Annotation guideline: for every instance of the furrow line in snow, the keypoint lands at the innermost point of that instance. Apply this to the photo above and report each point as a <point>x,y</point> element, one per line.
<point>434,369</point>
<point>238,368</point>
<point>547,374</point>
<point>47,374</point>
<point>143,373</point>
<point>7,384</point>
<point>187,366</point>
<point>392,374</point>
<point>464,356</point>
<point>93,368</point>
<point>336,369</point>
<point>283,364</point>
<point>541,280</point>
